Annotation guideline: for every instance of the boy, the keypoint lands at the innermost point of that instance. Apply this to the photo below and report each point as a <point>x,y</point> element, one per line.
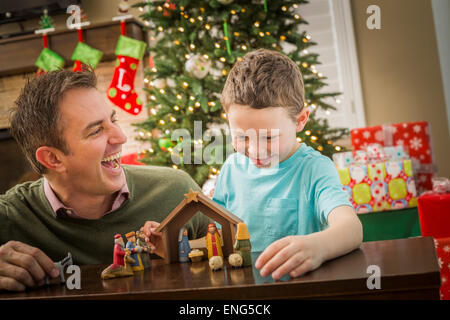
<point>288,194</point>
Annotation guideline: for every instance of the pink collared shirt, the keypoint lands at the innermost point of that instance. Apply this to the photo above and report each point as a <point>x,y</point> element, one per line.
<point>61,210</point>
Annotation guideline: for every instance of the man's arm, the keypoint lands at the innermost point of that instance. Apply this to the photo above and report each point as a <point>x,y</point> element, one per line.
<point>21,265</point>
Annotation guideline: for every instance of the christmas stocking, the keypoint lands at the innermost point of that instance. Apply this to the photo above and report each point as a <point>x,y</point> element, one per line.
<point>49,60</point>
<point>87,55</point>
<point>121,90</point>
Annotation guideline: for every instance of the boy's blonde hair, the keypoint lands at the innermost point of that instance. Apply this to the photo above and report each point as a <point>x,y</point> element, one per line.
<point>265,78</point>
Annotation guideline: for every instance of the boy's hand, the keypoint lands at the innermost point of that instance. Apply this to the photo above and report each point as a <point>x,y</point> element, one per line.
<point>153,238</point>
<point>293,255</point>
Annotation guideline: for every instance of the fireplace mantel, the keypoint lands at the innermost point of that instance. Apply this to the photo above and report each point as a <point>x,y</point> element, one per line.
<point>18,54</point>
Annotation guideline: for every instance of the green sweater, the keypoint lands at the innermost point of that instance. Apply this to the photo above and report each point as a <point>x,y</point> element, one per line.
<point>26,216</point>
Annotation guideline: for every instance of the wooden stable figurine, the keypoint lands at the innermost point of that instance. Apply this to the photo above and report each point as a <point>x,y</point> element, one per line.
<point>145,254</point>
<point>216,263</point>
<point>121,261</point>
<point>194,202</point>
<point>196,255</point>
<point>213,241</point>
<point>135,251</point>
<point>183,246</point>
<point>242,244</point>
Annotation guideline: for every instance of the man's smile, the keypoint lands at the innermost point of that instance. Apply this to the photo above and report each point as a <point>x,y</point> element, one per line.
<point>112,162</point>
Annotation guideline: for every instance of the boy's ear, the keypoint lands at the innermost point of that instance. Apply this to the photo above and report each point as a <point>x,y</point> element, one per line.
<point>50,158</point>
<point>302,119</point>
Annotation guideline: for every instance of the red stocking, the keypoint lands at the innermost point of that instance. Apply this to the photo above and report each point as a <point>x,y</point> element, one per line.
<point>121,90</point>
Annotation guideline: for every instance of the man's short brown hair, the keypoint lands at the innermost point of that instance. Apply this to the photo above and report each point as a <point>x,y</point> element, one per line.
<point>265,78</point>
<point>35,121</point>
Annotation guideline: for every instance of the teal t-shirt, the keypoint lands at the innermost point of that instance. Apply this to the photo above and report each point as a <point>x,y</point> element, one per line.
<point>293,198</point>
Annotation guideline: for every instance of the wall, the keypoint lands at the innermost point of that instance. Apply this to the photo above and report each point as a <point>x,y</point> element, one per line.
<point>400,73</point>
<point>441,14</point>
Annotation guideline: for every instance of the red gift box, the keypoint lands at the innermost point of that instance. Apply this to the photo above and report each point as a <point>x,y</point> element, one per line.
<point>434,214</point>
<point>443,253</point>
<point>415,137</point>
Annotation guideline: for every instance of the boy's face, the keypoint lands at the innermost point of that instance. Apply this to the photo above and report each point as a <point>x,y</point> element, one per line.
<point>266,136</point>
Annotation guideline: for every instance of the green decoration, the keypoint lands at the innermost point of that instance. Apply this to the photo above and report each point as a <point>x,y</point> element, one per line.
<point>130,47</point>
<point>227,41</point>
<point>165,144</point>
<point>49,60</point>
<point>112,92</point>
<point>46,21</point>
<point>87,54</point>
<point>361,193</point>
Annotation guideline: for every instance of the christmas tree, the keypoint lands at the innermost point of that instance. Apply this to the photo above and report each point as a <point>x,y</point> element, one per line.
<point>196,44</point>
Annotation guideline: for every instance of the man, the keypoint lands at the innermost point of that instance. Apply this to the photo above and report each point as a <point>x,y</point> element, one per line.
<point>72,138</point>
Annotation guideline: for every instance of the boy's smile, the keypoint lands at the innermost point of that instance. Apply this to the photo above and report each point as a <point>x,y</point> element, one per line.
<point>266,136</point>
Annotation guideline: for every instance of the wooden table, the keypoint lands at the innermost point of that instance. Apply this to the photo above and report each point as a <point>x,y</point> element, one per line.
<point>409,270</point>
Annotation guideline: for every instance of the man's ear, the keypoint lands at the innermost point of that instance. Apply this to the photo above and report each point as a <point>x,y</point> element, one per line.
<point>50,158</point>
<point>302,119</point>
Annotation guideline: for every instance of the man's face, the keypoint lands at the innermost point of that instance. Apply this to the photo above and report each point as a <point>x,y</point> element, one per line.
<point>266,136</point>
<point>94,140</point>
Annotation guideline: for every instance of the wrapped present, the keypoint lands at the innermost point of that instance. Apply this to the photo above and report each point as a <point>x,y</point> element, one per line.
<point>415,137</point>
<point>434,210</point>
<point>371,153</point>
<point>380,186</point>
<point>443,254</point>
